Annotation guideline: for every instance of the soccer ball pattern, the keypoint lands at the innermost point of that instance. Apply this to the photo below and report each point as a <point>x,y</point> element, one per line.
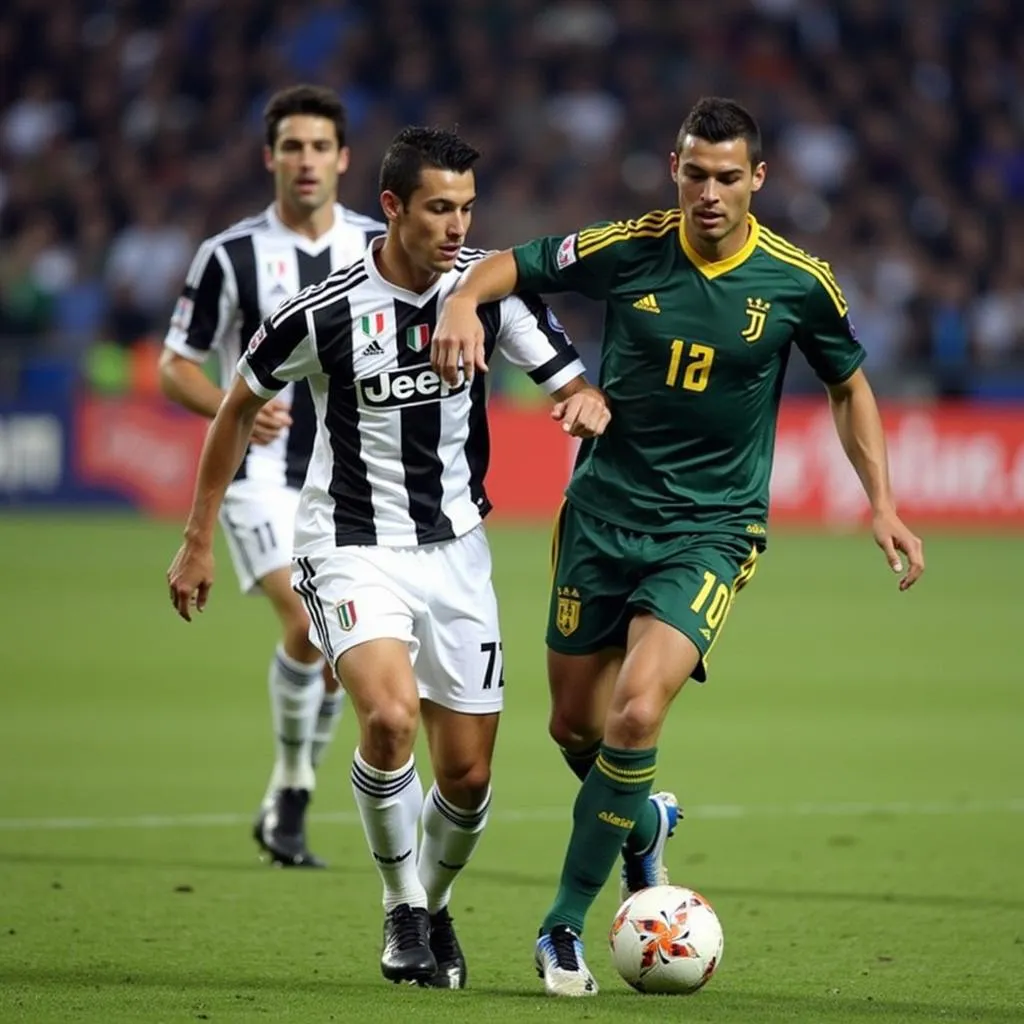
<point>666,939</point>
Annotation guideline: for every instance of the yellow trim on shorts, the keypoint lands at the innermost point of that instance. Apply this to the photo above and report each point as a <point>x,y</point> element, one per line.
<point>743,577</point>
<point>556,537</point>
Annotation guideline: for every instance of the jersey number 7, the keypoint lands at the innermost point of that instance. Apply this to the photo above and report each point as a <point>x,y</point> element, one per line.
<point>493,651</point>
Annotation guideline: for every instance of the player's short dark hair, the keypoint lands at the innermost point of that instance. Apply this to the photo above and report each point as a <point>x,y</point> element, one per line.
<point>414,148</point>
<point>313,100</point>
<point>717,119</point>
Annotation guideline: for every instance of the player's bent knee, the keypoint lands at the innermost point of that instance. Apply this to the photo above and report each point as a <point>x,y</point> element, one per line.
<point>464,784</point>
<point>389,730</point>
<point>635,723</point>
<point>573,732</point>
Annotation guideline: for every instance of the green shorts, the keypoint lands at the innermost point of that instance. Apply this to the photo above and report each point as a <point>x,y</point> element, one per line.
<point>606,574</point>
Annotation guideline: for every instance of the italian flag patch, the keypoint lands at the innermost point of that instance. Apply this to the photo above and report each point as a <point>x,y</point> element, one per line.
<point>346,614</point>
<point>418,337</point>
<point>373,325</point>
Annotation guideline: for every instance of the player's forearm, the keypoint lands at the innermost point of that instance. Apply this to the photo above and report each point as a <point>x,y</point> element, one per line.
<point>489,280</point>
<point>859,426</point>
<point>223,450</point>
<point>574,387</point>
<point>184,382</point>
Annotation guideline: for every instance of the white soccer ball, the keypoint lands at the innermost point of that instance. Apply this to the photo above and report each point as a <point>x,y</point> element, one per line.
<point>666,939</point>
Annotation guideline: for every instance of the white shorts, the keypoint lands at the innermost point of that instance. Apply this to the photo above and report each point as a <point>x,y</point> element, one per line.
<point>439,599</point>
<point>259,524</point>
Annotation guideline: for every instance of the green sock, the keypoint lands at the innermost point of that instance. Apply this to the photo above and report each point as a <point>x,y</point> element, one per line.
<point>607,807</point>
<point>645,829</point>
<point>581,761</point>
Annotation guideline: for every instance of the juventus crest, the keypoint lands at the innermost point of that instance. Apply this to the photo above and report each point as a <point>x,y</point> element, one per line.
<point>757,312</point>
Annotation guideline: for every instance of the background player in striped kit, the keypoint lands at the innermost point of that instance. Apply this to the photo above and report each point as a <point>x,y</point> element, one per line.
<point>236,279</point>
<point>391,555</point>
<point>703,307</point>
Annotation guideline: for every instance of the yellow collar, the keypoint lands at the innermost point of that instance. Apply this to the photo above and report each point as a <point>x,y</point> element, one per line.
<point>715,268</point>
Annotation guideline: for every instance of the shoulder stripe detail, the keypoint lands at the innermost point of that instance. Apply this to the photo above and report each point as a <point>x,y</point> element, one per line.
<point>583,251</point>
<point>645,227</point>
<point>467,257</point>
<point>815,269</point>
<point>783,245</point>
<point>654,216</point>
<point>332,287</point>
<point>328,297</point>
<point>590,236</point>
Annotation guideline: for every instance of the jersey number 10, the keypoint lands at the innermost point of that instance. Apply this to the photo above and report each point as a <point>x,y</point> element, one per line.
<point>692,362</point>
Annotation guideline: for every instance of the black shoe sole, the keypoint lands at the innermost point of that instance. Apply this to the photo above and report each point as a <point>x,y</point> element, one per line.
<point>439,980</point>
<point>304,860</point>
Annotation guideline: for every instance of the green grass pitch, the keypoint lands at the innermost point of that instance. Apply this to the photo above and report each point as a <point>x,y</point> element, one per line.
<point>853,776</point>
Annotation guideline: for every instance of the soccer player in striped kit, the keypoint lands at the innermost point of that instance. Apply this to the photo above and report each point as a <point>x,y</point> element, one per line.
<point>391,555</point>
<point>236,279</point>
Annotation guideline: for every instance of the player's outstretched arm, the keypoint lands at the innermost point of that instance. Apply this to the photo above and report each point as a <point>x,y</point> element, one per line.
<point>183,382</point>
<point>190,576</point>
<point>581,408</point>
<point>459,336</point>
<point>859,427</point>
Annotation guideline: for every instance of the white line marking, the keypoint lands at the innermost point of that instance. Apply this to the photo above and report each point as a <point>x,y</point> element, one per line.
<point>542,814</point>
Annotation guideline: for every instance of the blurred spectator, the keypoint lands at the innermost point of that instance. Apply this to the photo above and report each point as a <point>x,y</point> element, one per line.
<point>894,135</point>
<point>32,122</point>
<point>147,262</point>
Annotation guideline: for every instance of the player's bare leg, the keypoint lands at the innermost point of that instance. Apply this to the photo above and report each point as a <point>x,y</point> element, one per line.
<point>662,658</point>
<point>296,683</point>
<point>378,678</point>
<point>616,794</point>
<point>581,689</point>
<point>454,818</point>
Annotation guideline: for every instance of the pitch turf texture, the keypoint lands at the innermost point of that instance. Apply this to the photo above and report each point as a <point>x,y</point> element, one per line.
<point>853,779</point>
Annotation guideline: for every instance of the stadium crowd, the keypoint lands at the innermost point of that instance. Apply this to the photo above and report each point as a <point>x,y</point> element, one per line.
<point>894,138</point>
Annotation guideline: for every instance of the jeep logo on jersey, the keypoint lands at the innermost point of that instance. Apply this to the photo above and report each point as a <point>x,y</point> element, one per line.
<point>395,388</point>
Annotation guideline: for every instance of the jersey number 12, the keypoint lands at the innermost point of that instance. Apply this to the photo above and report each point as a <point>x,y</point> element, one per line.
<point>691,362</point>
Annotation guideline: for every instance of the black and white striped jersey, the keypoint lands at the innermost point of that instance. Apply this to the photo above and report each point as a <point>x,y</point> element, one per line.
<point>400,457</point>
<point>242,275</point>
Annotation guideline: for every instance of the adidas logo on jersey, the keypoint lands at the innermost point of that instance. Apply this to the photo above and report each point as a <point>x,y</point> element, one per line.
<point>405,387</point>
<point>647,304</point>
<point>373,349</point>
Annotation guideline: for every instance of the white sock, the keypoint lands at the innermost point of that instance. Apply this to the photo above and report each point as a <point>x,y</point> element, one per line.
<point>296,690</point>
<point>450,835</point>
<point>389,804</point>
<point>326,724</point>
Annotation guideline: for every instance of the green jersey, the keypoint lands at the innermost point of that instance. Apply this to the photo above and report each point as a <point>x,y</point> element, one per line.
<point>692,362</point>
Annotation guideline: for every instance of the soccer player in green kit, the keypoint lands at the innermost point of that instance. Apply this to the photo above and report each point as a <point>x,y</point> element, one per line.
<point>667,512</point>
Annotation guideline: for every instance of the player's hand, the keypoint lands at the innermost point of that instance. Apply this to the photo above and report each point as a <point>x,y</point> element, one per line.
<point>458,341</point>
<point>274,417</point>
<point>894,538</point>
<point>584,414</point>
<point>190,578</point>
